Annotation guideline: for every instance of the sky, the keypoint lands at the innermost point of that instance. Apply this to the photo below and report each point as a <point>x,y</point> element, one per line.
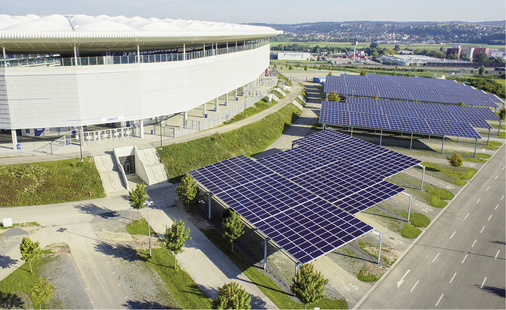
<point>270,11</point>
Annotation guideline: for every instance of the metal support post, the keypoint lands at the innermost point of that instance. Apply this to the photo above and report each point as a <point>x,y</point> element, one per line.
<point>75,55</point>
<point>381,135</point>
<point>184,51</point>
<point>14,137</point>
<point>296,268</point>
<point>266,242</point>
<point>411,142</point>
<point>209,203</point>
<point>161,134</point>
<point>443,145</point>
<point>81,140</point>
<point>488,139</point>
<point>5,59</point>
<point>351,131</point>
<point>475,147</point>
<point>423,175</point>
<point>323,126</point>
<point>141,128</point>
<point>226,100</point>
<point>138,54</point>
<point>327,97</point>
<point>379,250</point>
<point>409,207</point>
<point>185,119</point>
<point>499,129</point>
<point>204,49</point>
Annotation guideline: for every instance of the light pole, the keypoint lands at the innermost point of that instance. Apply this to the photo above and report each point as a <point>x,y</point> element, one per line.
<point>148,203</point>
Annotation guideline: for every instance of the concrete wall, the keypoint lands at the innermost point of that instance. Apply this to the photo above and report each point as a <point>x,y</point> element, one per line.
<point>39,97</point>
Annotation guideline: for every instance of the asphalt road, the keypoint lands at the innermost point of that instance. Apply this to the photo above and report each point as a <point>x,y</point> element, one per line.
<point>459,263</point>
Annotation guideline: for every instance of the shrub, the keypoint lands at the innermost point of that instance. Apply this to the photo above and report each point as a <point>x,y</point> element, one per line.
<point>409,231</point>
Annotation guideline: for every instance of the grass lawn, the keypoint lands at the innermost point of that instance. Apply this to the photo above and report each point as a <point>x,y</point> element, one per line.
<point>49,182</point>
<point>450,174</point>
<point>410,231</point>
<point>21,225</point>
<point>492,145</point>
<point>432,194</point>
<point>21,280</point>
<point>368,278</point>
<point>258,107</point>
<point>187,293</point>
<point>249,140</point>
<point>264,283</point>
<point>417,219</point>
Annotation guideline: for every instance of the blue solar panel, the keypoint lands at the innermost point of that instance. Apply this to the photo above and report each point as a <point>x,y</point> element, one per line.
<point>368,197</point>
<point>409,88</point>
<point>322,138</point>
<point>229,173</point>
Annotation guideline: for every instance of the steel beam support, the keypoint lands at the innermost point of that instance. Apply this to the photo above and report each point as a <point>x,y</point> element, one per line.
<point>423,175</point>
<point>266,243</point>
<point>209,202</point>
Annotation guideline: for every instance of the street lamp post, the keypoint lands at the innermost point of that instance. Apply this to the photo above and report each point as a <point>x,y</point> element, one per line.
<point>148,203</point>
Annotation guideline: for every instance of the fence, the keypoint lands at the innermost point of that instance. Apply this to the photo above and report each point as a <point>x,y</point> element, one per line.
<point>112,134</point>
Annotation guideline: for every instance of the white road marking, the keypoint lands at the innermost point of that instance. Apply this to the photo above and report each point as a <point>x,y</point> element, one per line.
<point>482,229</point>
<point>466,216</point>
<point>496,207</point>
<point>399,283</point>
<point>474,243</point>
<point>435,257</point>
<point>453,277</point>
<point>453,234</point>
<point>437,303</point>
<point>347,288</point>
<point>496,177</point>
<point>487,189</point>
<point>496,254</point>
<point>414,286</point>
<point>502,198</point>
<point>353,286</point>
<point>464,259</point>
<point>489,218</point>
<point>478,200</point>
<point>483,283</point>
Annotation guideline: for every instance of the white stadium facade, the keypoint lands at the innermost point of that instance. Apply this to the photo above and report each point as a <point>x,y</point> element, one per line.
<point>70,71</point>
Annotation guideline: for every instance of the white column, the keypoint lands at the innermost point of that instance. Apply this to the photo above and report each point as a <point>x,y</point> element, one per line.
<point>141,128</point>
<point>75,55</point>
<point>216,103</point>
<point>204,48</point>
<point>204,110</point>
<point>227,47</point>
<point>5,59</point>
<point>236,98</point>
<point>184,51</point>
<point>185,118</point>
<point>138,54</point>
<point>14,138</point>
<point>226,100</point>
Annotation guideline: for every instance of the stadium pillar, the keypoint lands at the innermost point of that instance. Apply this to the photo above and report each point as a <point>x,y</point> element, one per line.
<point>204,110</point>
<point>184,51</point>
<point>379,249</point>
<point>216,104</point>
<point>488,139</point>
<point>411,142</point>
<point>141,128</point>
<point>266,242</point>
<point>5,59</point>
<point>236,98</point>
<point>81,140</point>
<point>204,49</point>
<point>423,174</point>
<point>381,135</point>
<point>443,144</point>
<point>138,54</point>
<point>227,47</point>
<point>185,119</point>
<point>476,146</point>
<point>209,204</point>
<point>75,55</point>
<point>14,138</point>
<point>226,100</point>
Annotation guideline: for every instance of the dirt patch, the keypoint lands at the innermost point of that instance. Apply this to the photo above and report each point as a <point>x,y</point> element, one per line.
<point>388,255</point>
<point>142,242</point>
<point>30,229</point>
<point>373,269</point>
<point>59,248</point>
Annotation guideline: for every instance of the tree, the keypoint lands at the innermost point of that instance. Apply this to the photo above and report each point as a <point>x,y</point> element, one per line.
<point>138,196</point>
<point>233,227</point>
<point>29,251</point>
<point>481,57</point>
<point>481,70</point>
<point>461,104</point>
<point>187,191</point>
<point>334,97</point>
<point>232,296</point>
<point>502,114</point>
<point>309,285</point>
<point>43,290</point>
<point>363,72</point>
<point>376,97</point>
<point>456,160</point>
<point>175,238</point>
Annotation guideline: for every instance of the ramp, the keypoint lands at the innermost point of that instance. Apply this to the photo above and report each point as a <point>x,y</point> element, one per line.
<point>150,168</point>
<point>109,173</point>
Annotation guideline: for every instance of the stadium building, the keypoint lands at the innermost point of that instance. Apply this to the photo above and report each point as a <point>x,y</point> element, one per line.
<point>63,72</point>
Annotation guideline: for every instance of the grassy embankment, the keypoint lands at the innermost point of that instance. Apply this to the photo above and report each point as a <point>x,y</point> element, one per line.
<point>249,140</point>
<point>49,182</point>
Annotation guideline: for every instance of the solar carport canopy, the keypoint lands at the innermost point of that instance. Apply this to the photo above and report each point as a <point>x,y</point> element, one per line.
<point>406,117</point>
<point>409,88</point>
<point>304,199</point>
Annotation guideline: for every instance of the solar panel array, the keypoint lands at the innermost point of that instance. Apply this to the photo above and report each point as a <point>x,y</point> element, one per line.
<point>409,88</point>
<point>304,198</point>
<point>389,118</point>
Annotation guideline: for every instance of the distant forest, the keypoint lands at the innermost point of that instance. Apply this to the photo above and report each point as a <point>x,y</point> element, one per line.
<point>490,33</point>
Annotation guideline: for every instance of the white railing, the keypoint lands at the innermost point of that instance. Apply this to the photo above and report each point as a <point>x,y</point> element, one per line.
<point>109,134</point>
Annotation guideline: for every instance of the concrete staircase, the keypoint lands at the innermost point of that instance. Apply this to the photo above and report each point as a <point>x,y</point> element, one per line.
<point>109,173</point>
<point>154,169</point>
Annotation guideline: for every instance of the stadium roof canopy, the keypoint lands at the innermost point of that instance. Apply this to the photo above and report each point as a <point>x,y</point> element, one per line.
<point>60,33</point>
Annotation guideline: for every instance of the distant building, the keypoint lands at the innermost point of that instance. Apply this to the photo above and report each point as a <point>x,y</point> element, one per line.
<point>455,50</point>
<point>479,50</point>
<point>417,60</point>
<point>294,56</point>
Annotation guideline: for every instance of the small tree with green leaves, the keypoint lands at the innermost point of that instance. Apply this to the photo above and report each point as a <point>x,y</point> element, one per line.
<point>481,70</point>
<point>187,190</point>
<point>43,291</point>
<point>175,238</point>
<point>376,97</point>
<point>29,251</point>
<point>502,114</point>
<point>233,227</point>
<point>138,196</point>
<point>363,72</point>
<point>461,104</point>
<point>456,160</point>
<point>334,97</point>
<point>232,296</point>
<point>309,285</point>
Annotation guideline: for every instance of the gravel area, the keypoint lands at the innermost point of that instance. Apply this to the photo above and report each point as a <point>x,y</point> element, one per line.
<point>144,287</point>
